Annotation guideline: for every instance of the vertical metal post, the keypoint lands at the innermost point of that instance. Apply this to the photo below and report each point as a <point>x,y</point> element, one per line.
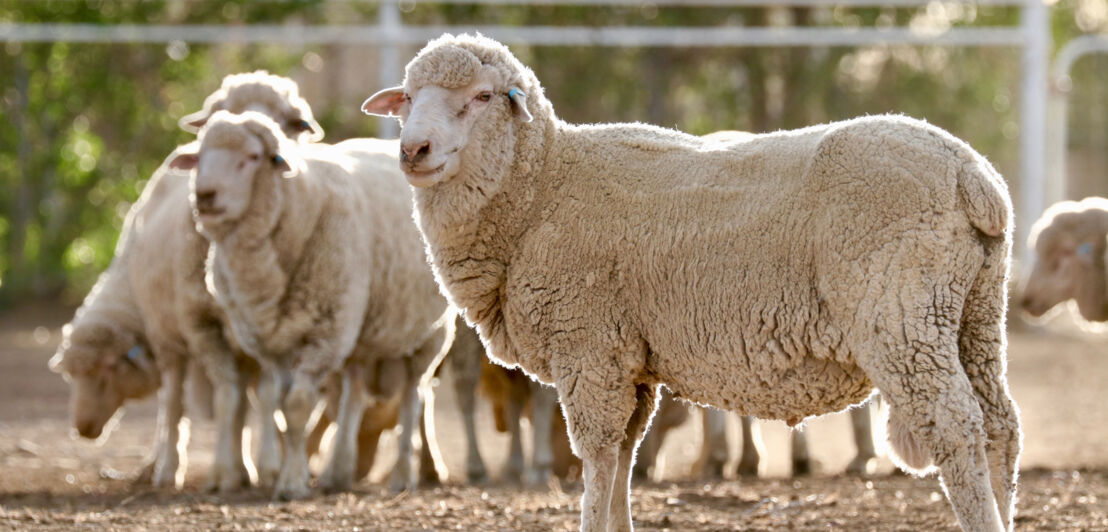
<point>1035,23</point>
<point>388,64</point>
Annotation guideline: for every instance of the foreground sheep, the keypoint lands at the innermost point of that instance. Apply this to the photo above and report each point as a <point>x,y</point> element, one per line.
<point>154,294</point>
<point>315,260</point>
<point>786,275</point>
<point>1069,242</point>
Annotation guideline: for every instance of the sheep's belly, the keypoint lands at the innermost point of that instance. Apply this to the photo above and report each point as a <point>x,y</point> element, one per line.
<point>811,387</point>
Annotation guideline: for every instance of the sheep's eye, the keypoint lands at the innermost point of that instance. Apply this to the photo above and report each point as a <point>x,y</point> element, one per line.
<point>484,96</point>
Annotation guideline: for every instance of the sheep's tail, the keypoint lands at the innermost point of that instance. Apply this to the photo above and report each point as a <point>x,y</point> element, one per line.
<point>984,193</point>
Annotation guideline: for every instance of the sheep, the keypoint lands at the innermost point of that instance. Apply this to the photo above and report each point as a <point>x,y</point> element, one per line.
<point>275,96</point>
<point>784,275</point>
<point>1069,244</point>
<point>163,303</point>
<point>319,273</point>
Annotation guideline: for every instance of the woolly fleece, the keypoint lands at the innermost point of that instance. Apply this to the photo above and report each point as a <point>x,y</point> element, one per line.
<point>783,275</point>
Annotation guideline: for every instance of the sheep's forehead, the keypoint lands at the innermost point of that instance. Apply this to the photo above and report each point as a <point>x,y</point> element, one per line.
<point>228,135</point>
<point>454,63</point>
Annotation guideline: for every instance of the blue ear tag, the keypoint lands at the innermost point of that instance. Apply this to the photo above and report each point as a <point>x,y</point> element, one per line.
<point>135,353</point>
<point>1085,250</point>
<point>512,93</point>
<point>277,159</point>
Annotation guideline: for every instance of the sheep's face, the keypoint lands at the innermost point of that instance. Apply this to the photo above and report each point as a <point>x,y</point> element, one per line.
<point>220,189</point>
<point>443,128</point>
<point>1065,269</point>
<point>111,370</point>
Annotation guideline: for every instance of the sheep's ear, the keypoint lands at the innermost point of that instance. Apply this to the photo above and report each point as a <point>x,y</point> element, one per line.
<point>315,132</point>
<point>193,122</point>
<point>519,104</point>
<point>185,157</point>
<point>285,166</point>
<point>385,103</point>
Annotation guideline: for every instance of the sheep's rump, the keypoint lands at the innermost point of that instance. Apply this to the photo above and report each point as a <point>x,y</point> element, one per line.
<point>761,255</point>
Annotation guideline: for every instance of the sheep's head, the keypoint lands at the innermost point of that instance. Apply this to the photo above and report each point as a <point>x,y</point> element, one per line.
<point>232,160</point>
<point>461,104</point>
<point>1069,243</point>
<point>104,367</point>
<point>277,97</point>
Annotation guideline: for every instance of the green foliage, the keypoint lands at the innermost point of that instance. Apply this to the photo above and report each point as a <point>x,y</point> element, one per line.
<point>86,124</point>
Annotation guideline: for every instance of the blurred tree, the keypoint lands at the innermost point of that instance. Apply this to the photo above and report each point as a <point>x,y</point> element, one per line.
<point>88,123</point>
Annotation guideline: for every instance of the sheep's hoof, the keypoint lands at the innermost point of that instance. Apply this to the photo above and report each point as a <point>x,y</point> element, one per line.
<point>334,482</point>
<point>802,468</point>
<point>862,466</point>
<point>748,468</point>
<point>164,477</point>
<point>398,484</point>
<point>267,478</point>
<point>640,474</point>
<point>145,475</point>
<point>477,476</point>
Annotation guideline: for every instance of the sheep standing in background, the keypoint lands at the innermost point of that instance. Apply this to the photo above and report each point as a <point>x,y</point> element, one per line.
<point>163,303</point>
<point>315,260</point>
<point>1069,242</point>
<point>785,275</point>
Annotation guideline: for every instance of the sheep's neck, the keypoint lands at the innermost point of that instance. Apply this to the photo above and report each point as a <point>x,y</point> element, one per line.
<point>256,264</point>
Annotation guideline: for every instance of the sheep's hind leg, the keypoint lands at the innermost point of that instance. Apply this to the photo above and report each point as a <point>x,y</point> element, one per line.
<point>411,406</point>
<point>619,517</point>
<point>981,344</point>
<point>752,448</point>
<point>865,456</point>
<point>544,401</point>
<point>934,416</point>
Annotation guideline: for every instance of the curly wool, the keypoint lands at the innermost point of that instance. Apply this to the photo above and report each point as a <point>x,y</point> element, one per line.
<point>780,275</point>
<point>275,96</point>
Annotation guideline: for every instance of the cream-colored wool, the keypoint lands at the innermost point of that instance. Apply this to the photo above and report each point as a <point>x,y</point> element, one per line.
<point>782,275</point>
<point>275,96</point>
<point>154,294</point>
<point>321,266</point>
<point>1069,242</point>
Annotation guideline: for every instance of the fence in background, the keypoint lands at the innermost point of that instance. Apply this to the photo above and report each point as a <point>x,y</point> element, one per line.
<point>1032,36</point>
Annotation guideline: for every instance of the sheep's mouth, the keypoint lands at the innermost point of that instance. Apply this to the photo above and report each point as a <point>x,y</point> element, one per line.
<point>425,178</point>
<point>210,212</point>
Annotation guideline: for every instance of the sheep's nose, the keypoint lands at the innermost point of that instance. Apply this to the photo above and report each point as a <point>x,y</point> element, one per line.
<point>415,152</point>
<point>205,200</point>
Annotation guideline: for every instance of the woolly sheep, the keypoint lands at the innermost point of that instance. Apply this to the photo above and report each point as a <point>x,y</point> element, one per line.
<point>1069,244</point>
<point>784,275</point>
<point>164,303</point>
<point>315,269</point>
<point>275,96</point>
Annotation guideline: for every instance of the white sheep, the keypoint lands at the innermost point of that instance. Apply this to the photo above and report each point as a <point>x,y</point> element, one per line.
<point>154,294</point>
<point>1069,242</point>
<point>314,270</point>
<point>784,275</point>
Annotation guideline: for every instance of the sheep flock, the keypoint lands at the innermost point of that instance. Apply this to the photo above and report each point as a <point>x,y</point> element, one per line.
<point>600,280</point>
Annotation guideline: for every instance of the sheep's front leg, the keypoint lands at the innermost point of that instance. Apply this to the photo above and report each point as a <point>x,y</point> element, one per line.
<point>227,470</point>
<point>170,412</point>
<point>271,387</point>
<point>339,472</point>
<point>752,448</point>
<point>713,444</point>
<point>544,400</point>
<point>598,415</point>
<point>802,461</point>
<point>297,407</point>
<point>620,514</point>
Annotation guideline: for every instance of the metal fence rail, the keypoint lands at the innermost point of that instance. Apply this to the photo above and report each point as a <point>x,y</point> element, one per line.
<point>1032,36</point>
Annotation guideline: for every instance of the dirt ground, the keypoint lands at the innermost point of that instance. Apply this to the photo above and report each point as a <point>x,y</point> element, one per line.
<point>52,480</point>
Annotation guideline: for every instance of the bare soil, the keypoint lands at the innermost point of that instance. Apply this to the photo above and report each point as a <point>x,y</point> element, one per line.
<point>52,480</point>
